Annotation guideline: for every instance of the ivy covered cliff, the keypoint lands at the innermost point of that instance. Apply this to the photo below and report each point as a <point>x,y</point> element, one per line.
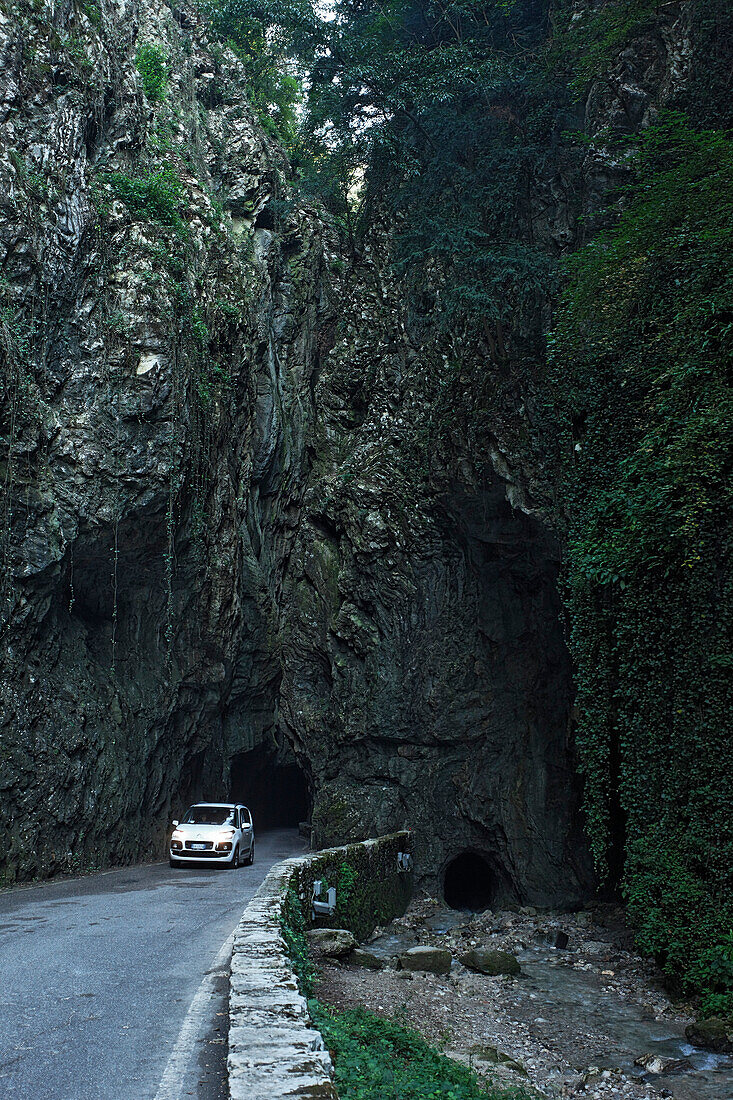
<point>366,411</point>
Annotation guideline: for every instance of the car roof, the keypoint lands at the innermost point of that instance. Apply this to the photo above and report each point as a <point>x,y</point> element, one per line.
<point>223,805</point>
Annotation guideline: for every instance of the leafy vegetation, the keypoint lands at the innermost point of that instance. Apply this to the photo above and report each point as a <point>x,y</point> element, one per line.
<point>716,976</point>
<point>151,63</point>
<point>642,360</point>
<point>155,195</point>
<point>293,927</point>
<point>436,115</point>
<point>588,41</point>
<point>256,33</point>
<point>707,97</point>
<point>345,884</point>
<point>93,13</point>
<point>374,1057</point>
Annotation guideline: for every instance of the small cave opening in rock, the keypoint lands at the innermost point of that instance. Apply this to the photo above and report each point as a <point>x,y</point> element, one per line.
<point>469,883</point>
<point>265,219</point>
<point>275,790</point>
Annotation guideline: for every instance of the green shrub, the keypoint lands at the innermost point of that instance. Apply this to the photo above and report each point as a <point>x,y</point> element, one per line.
<point>151,63</point>
<point>93,14</point>
<point>715,973</point>
<point>255,32</point>
<point>155,195</point>
<point>677,913</point>
<point>586,45</point>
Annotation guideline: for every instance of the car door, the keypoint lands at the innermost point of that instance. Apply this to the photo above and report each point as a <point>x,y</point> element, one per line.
<point>246,829</point>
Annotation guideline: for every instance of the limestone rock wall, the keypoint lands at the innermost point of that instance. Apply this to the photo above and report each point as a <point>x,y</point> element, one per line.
<point>157,393</point>
<point>425,675</point>
<point>233,511</point>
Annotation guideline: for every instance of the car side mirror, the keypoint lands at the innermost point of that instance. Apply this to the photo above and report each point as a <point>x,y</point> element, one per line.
<point>175,823</point>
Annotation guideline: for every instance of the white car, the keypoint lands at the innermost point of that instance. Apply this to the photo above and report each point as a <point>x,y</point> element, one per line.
<point>218,831</point>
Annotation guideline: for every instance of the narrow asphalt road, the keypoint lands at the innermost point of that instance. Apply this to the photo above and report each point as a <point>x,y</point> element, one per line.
<point>113,987</point>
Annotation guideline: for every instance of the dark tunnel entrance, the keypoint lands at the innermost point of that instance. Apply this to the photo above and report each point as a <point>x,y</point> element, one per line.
<point>275,792</point>
<point>469,883</point>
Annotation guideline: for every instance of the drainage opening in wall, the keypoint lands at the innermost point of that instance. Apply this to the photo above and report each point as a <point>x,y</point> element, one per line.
<point>275,790</point>
<point>469,883</point>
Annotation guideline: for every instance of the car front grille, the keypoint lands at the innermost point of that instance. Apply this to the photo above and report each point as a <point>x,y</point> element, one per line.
<point>200,845</point>
<point>186,854</point>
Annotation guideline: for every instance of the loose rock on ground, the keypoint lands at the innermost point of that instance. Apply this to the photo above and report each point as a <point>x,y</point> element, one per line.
<point>584,1019</point>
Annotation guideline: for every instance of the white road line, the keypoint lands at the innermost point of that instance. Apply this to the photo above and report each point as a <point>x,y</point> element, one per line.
<point>171,1083</point>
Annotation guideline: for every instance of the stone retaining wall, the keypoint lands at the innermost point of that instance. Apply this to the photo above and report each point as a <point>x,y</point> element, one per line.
<point>274,1051</point>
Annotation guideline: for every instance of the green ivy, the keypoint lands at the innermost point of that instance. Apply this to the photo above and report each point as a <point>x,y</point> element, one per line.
<point>293,925</point>
<point>716,974</point>
<point>642,387</point>
<point>345,884</point>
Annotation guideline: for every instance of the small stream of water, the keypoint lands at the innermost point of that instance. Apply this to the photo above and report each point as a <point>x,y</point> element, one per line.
<point>624,1030</point>
<point>570,1011</point>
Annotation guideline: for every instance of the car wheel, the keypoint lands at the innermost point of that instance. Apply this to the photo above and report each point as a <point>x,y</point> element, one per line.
<point>173,863</point>
<point>251,857</point>
<point>235,857</point>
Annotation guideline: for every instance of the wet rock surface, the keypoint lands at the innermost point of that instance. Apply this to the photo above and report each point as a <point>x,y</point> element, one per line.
<point>430,960</point>
<point>226,528</point>
<point>713,1034</point>
<point>331,943</point>
<point>488,961</point>
<point>592,1020</point>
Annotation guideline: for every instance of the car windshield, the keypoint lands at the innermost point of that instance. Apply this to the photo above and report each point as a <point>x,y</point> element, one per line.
<point>208,815</point>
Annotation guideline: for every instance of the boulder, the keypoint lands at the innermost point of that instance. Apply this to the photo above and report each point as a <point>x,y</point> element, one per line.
<point>714,1034</point>
<point>331,943</point>
<point>489,961</point>
<point>655,1063</point>
<point>367,959</point>
<point>488,1053</point>
<point>485,1052</point>
<point>434,960</point>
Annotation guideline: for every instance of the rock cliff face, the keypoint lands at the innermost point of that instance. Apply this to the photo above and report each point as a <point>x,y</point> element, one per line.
<point>233,533</point>
<point>158,395</point>
<point>425,676</point>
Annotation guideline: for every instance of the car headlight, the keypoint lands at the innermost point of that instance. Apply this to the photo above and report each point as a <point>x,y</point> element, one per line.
<point>225,834</point>
<point>177,835</point>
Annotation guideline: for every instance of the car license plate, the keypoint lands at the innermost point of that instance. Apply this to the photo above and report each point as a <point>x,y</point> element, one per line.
<point>199,847</point>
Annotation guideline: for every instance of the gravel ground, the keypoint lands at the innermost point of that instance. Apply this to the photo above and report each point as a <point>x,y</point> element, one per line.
<point>573,1024</point>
